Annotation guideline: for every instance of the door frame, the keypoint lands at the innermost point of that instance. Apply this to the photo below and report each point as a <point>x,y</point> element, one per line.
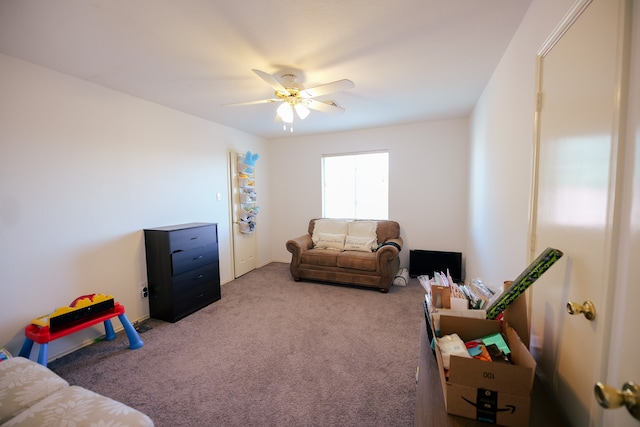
<point>230,204</point>
<point>234,204</point>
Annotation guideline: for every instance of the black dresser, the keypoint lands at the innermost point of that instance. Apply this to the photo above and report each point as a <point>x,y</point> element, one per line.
<point>183,271</point>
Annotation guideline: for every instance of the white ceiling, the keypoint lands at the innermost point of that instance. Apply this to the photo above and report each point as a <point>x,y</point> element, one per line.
<point>410,60</point>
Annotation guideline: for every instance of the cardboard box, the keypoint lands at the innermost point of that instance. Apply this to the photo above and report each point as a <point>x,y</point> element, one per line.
<point>441,296</point>
<point>493,392</point>
<point>435,316</point>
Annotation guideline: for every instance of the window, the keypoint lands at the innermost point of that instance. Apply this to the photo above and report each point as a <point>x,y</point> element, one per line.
<point>356,185</point>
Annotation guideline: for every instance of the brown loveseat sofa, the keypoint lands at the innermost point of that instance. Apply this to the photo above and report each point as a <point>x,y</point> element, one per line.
<point>344,253</point>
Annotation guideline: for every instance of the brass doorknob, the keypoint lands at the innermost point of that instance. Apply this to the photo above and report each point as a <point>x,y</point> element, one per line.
<point>587,308</point>
<point>610,397</point>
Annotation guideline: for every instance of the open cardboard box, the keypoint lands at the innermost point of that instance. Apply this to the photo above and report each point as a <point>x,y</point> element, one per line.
<point>435,316</point>
<point>441,298</point>
<point>489,391</point>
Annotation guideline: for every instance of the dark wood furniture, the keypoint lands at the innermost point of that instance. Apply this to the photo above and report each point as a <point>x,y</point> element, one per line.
<point>183,271</point>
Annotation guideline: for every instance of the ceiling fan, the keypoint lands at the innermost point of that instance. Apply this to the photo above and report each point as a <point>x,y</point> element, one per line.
<point>295,98</point>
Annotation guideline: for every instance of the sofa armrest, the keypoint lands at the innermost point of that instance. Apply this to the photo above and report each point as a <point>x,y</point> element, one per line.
<point>300,244</point>
<point>297,246</point>
<point>386,254</point>
<point>397,240</point>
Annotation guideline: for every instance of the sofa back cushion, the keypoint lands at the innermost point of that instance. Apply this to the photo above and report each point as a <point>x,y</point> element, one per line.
<point>327,226</point>
<point>364,229</point>
<point>362,244</point>
<point>334,242</point>
<point>386,229</point>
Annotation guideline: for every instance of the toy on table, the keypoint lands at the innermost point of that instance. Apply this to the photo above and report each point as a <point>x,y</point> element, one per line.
<point>80,308</point>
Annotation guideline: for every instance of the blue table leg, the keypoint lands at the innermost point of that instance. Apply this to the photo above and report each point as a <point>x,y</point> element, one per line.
<point>108,328</point>
<point>43,354</point>
<point>132,334</point>
<point>25,351</point>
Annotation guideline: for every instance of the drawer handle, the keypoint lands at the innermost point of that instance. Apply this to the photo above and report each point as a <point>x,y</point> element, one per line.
<point>194,238</point>
<point>200,296</point>
<point>197,258</point>
<point>199,277</point>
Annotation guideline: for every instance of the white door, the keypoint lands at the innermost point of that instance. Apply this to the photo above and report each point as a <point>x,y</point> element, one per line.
<point>623,364</point>
<point>576,207</point>
<point>244,244</point>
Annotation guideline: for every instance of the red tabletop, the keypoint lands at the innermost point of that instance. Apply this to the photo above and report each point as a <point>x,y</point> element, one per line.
<point>43,335</point>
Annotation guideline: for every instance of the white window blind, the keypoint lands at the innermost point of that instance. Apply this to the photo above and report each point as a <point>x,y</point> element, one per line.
<point>356,185</point>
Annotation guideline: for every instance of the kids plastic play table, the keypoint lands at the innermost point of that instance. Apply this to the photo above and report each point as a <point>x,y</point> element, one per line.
<point>43,335</point>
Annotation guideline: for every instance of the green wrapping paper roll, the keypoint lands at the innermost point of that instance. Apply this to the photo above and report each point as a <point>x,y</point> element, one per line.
<point>524,280</point>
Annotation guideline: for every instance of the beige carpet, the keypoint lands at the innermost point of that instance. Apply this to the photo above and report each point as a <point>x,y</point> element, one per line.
<point>271,352</point>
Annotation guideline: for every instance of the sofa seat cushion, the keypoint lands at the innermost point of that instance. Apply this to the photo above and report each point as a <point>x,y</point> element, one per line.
<point>357,260</point>
<point>24,383</point>
<point>77,406</point>
<point>322,257</point>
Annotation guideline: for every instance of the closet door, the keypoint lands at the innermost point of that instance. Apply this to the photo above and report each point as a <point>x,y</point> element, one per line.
<point>577,201</point>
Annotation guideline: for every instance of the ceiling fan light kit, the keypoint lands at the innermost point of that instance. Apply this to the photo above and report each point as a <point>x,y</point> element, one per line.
<point>302,111</point>
<point>295,97</point>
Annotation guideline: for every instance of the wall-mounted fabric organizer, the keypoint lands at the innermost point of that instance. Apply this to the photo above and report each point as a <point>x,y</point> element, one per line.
<point>249,208</point>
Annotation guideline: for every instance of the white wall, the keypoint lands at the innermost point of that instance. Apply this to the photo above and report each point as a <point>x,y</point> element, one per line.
<point>501,150</point>
<point>83,170</point>
<point>427,182</point>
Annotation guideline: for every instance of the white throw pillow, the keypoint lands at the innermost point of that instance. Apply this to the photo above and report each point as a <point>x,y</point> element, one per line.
<point>364,229</point>
<point>330,241</point>
<point>363,244</point>
<point>331,226</point>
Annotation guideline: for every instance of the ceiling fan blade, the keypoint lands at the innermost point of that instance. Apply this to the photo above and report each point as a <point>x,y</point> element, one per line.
<point>268,78</point>
<point>325,106</point>
<point>324,89</point>
<point>262,101</point>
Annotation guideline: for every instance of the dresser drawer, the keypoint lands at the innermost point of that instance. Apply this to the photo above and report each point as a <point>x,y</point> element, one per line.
<point>189,238</point>
<point>191,279</point>
<point>184,261</point>
<point>194,299</point>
